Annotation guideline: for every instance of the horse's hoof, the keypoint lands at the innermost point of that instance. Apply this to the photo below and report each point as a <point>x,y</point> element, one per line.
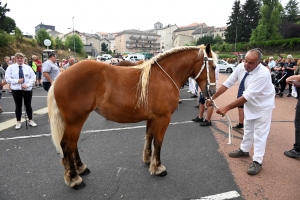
<point>162,174</point>
<point>80,186</point>
<point>85,172</point>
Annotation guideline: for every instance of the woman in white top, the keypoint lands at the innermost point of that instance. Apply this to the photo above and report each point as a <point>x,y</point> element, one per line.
<point>21,77</point>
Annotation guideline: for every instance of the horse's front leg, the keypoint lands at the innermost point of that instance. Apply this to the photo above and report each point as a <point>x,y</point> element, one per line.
<point>159,127</point>
<point>148,142</point>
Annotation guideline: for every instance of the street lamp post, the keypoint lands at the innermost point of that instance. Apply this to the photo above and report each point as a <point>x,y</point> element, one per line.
<point>74,40</point>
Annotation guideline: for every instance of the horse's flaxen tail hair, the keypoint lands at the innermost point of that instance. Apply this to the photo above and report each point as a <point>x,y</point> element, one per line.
<point>57,124</point>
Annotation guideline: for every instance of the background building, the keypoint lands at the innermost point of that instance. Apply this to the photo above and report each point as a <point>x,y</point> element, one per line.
<point>135,41</point>
<point>41,25</point>
<point>166,35</point>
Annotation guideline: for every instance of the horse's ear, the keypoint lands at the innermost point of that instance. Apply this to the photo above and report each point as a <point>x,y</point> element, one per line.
<point>207,49</point>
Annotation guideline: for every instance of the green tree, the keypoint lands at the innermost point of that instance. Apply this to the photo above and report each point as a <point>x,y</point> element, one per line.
<point>207,39</point>
<point>9,25</point>
<point>3,11</point>
<point>233,27</point>
<point>18,35</point>
<point>218,40</point>
<point>104,47</point>
<point>69,43</point>
<point>43,35</point>
<point>291,12</point>
<point>59,43</point>
<point>268,25</point>
<point>248,20</point>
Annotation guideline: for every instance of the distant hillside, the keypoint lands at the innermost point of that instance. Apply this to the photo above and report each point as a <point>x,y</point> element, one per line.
<point>29,48</point>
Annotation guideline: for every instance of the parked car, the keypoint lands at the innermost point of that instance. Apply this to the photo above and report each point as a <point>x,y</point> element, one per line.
<point>225,66</point>
<point>106,57</point>
<point>135,57</point>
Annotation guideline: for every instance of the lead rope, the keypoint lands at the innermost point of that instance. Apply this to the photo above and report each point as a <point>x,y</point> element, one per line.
<point>230,136</point>
<point>168,75</point>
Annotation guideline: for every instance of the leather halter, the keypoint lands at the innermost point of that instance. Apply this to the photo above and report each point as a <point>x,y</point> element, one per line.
<point>205,65</point>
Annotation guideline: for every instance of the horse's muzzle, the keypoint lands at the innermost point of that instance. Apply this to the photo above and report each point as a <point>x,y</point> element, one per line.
<point>210,92</point>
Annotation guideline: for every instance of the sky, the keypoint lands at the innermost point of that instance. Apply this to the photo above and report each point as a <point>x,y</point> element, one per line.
<point>92,16</point>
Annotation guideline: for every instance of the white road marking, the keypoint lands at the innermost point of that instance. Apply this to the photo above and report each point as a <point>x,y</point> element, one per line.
<point>12,122</point>
<point>222,196</point>
<point>90,131</point>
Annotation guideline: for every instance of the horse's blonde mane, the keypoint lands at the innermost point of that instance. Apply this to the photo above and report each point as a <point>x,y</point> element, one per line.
<point>146,68</point>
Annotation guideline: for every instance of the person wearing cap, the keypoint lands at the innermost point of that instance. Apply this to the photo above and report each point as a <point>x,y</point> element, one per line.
<point>21,77</point>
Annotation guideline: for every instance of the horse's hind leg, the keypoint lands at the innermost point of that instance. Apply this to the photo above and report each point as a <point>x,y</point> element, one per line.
<point>148,142</point>
<point>69,147</point>
<point>159,127</point>
<point>81,168</point>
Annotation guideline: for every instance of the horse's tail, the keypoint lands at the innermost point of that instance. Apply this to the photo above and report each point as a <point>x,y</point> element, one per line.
<point>57,124</point>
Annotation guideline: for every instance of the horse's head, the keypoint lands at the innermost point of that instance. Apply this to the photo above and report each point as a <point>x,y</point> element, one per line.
<point>205,77</point>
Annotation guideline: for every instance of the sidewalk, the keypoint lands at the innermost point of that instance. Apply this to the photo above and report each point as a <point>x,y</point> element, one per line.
<point>279,176</point>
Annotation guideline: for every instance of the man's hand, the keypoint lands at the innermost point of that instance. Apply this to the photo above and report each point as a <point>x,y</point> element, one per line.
<point>208,103</point>
<point>21,80</point>
<point>24,86</point>
<point>222,111</point>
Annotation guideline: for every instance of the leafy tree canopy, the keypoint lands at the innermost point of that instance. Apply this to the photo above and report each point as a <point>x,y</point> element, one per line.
<point>9,25</point>
<point>43,35</point>
<point>268,25</point>
<point>3,11</point>
<point>232,24</point>
<point>104,47</point>
<point>59,43</point>
<point>291,12</point>
<point>69,43</point>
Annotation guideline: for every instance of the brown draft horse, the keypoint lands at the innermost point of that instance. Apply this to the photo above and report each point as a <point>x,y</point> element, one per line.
<point>149,91</point>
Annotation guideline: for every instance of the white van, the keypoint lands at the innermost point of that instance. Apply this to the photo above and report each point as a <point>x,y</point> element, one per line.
<point>135,57</point>
<point>106,57</point>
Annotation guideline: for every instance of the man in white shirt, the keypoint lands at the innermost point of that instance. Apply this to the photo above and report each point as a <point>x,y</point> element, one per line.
<point>258,100</point>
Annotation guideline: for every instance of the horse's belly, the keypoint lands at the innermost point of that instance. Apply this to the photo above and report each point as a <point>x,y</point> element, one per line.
<point>121,116</point>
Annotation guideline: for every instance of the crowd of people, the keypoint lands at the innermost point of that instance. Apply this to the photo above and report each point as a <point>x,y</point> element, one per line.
<point>22,75</point>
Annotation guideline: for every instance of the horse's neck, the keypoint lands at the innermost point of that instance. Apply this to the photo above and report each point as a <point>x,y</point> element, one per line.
<point>179,67</point>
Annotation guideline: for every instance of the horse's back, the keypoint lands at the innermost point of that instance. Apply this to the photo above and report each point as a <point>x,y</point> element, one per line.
<point>91,85</point>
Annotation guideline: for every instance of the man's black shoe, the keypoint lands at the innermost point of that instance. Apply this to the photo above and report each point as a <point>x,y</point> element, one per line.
<point>205,123</point>
<point>197,119</point>
<point>239,126</point>
<point>194,96</point>
<point>197,106</point>
<point>292,153</point>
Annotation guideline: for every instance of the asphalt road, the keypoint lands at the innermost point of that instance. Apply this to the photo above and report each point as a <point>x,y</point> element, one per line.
<point>31,169</point>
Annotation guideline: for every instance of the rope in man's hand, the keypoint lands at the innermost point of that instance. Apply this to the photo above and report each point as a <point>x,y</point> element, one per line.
<point>211,102</point>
